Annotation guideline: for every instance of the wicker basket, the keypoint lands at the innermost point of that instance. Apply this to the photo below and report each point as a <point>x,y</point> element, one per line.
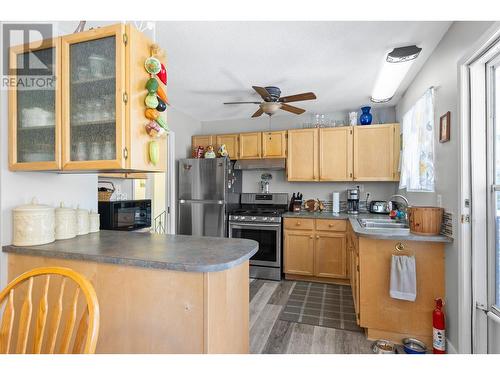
<point>104,194</point>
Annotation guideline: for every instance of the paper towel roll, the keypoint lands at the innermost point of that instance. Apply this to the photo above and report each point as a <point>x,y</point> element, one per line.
<point>336,202</point>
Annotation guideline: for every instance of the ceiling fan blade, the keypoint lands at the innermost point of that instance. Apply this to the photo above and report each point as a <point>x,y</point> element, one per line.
<point>242,103</point>
<point>258,113</point>
<point>262,92</point>
<point>298,97</point>
<point>291,108</point>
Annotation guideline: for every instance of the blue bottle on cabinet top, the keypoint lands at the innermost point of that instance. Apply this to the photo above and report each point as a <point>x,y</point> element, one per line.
<point>366,116</point>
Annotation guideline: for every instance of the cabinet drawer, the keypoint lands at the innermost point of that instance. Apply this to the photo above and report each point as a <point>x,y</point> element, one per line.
<point>331,225</point>
<point>305,224</point>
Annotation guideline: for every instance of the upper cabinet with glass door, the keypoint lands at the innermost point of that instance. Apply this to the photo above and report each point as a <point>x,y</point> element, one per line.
<point>102,91</point>
<point>35,106</point>
<point>93,105</point>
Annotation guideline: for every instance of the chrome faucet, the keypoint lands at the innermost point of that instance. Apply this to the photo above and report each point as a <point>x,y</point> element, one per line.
<point>405,210</point>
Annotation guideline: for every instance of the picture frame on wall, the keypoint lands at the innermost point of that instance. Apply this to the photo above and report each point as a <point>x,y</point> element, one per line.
<point>444,127</point>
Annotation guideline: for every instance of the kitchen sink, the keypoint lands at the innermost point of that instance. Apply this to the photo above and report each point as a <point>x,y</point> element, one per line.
<point>389,225</point>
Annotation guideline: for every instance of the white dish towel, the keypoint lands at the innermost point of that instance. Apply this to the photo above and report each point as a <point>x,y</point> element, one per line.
<point>403,278</point>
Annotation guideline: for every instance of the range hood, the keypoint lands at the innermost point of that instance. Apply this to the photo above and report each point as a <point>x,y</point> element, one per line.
<point>260,164</point>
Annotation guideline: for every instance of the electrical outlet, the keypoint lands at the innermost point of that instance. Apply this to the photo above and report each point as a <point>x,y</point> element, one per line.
<point>439,200</point>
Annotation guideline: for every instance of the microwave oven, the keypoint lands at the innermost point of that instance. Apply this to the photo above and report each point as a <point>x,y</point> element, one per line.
<point>125,215</point>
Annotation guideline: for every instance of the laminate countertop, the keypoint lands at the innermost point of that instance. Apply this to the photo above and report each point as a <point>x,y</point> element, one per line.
<point>158,251</point>
<point>382,234</point>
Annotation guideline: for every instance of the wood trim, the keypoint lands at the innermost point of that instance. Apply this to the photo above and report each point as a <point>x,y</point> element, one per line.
<point>397,151</point>
<point>317,279</point>
<point>14,165</point>
<point>119,163</point>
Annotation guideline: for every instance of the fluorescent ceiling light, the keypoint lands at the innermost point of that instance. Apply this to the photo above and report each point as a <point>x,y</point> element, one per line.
<point>394,69</point>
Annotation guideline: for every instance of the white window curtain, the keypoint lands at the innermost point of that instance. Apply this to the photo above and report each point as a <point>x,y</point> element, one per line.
<point>417,157</point>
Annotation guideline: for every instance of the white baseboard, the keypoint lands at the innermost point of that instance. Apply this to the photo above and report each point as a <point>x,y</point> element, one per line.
<point>450,349</point>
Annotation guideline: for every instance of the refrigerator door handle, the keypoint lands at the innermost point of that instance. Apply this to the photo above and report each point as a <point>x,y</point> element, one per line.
<point>182,201</point>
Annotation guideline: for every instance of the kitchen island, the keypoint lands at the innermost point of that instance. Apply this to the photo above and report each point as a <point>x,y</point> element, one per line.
<point>157,293</point>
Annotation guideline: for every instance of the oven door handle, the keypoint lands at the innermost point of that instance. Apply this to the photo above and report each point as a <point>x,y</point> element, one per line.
<point>256,225</point>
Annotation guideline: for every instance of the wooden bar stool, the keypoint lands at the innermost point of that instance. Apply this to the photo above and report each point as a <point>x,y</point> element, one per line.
<point>59,288</point>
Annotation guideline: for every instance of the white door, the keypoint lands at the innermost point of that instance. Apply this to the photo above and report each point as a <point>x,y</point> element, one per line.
<point>485,183</point>
<point>492,308</point>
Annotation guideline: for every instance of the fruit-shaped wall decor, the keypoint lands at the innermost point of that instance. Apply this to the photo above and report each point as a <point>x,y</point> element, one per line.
<point>154,130</point>
<point>154,152</point>
<point>162,74</point>
<point>151,101</point>
<point>151,114</point>
<point>152,65</point>
<point>152,85</point>
<point>162,95</point>
<point>161,107</point>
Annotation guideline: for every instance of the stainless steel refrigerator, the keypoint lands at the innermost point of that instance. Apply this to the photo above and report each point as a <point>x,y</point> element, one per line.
<point>208,189</point>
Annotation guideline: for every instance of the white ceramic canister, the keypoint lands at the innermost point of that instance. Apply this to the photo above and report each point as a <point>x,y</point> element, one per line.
<point>83,221</point>
<point>33,224</point>
<point>66,223</point>
<point>94,222</point>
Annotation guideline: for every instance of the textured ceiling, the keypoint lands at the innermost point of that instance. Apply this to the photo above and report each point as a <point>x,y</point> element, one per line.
<point>213,62</point>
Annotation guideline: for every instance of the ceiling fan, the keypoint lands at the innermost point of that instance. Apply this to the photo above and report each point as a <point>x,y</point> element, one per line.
<point>273,102</point>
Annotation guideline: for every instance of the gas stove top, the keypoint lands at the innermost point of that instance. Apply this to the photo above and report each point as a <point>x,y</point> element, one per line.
<point>260,208</point>
<point>257,215</point>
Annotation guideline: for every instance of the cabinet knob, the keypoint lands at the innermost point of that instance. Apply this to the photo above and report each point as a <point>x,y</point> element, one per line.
<point>317,237</point>
<point>330,225</point>
<point>298,223</point>
<point>311,237</point>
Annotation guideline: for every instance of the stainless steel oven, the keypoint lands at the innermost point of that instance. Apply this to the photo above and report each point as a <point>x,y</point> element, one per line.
<point>259,219</point>
<point>267,235</point>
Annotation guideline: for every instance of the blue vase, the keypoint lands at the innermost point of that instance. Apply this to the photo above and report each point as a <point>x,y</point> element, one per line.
<point>366,116</point>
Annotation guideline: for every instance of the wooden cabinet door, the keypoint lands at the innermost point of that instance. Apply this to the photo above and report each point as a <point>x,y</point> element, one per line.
<point>35,114</point>
<point>202,140</point>
<point>302,160</point>
<point>335,154</point>
<point>299,252</point>
<point>231,142</point>
<point>94,100</point>
<point>250,145</point>
<point>374,153</point>
<point>274,144</point>
<point>330,255</point>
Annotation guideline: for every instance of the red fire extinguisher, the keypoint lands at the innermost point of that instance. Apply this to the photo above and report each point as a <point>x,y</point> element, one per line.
<point>438,329</point>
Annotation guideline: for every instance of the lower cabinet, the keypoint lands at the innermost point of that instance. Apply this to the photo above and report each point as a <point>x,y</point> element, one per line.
<point>312,250</point>
<point>330,255</point>
<point>299,252</point>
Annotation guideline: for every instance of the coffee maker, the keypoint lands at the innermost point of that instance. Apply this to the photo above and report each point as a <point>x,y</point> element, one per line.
<point>353,200</point>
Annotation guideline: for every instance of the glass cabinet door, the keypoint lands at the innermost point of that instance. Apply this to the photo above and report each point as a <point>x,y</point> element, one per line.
<point>35,107</point>
<point>93,99</point>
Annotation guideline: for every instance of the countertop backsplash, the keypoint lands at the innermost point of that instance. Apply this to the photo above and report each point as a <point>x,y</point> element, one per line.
<point>316,190</point>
